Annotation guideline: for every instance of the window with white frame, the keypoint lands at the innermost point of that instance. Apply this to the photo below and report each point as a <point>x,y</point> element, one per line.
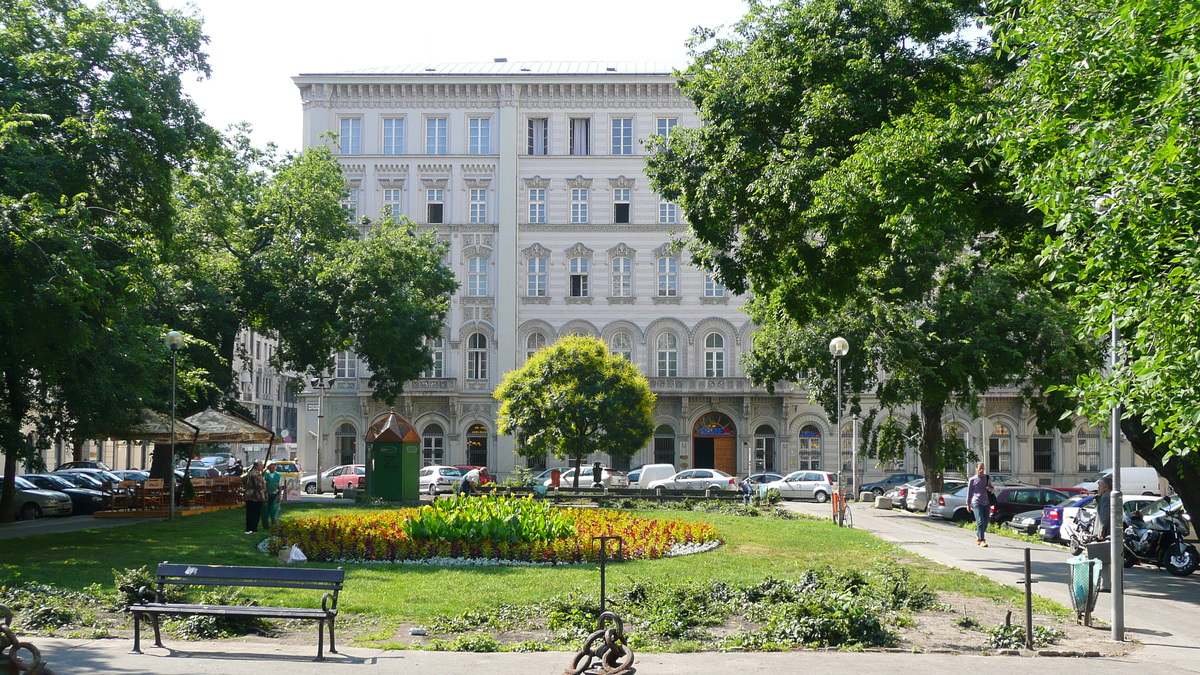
<point>393,135</point>
<point>539,136</point>
<point>1088,454</point>
<point>435,206</point>
<point>668,355</point>
<point>533,344</point>
<point>622,135</point>
<point>579,205</point>
<point>433,446</point>
<point>478,206</point>
<point>350,135</point>
<point>714,355</point>
<point>537,205</point>
<point>668,277</point>
<point>622,345</point>
<point>350,204</point>
<point>536,276</point>
<point>622,277</point>
<point>808,450</point>
<point>479,135</point>
<point>712,287</point>
<point>1000,449</point>
<point>436,139</point>
<point>477,277</point>
<point>477,357</point>
<point>347,365</point>
<point>664,125</point>
<point>581,135</point>
<point>668,212</point>
<point>579,277</point>
<point>393,202</point>
<point>437,348</point>
<point>621,205</point>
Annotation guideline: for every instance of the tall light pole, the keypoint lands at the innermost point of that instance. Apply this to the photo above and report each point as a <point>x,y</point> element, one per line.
<point>1116,550</point>
<point>319,383</point>
<point>173,340</point>
<point>839,347</point>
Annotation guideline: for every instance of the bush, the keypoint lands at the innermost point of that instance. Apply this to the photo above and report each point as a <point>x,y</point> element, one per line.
<point>1006,636</point>
<point>211,627</point>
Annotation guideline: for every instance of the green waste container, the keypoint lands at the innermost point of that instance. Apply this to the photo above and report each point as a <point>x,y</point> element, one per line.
<point>393,459</point>
<point>1084,583</point>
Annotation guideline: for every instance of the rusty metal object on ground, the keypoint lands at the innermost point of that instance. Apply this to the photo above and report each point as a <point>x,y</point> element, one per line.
<point>605,652</point>
<point>11,649</point>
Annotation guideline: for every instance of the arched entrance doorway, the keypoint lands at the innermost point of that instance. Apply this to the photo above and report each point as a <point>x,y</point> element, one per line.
<point>714,443</point>
<point>477,445</point>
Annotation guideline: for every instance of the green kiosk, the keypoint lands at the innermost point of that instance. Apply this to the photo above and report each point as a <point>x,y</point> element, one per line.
<point>393,459</point>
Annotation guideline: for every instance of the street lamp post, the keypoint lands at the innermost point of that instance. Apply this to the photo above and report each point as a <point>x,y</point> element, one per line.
<point>1116,551</point>
<point>319,383</point>
<point>173,340</point>
<point>839,347</point>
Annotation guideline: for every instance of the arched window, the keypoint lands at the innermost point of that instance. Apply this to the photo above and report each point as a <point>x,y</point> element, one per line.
<point>1000,449</point>
<point>433,445</point>
<point>345,439</point>
<point>668,355</point>
<point>622,345</point>
<point>809,450</point>
<point>477,357</point>
<point>477,445</point>
<point>764,449</point>
<point>714,355</point>
<point>664,445</point>
<point>533,344</point>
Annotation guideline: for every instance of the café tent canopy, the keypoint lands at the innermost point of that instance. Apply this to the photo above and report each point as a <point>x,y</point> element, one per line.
<point>156,427</point>
<point>214,426</point>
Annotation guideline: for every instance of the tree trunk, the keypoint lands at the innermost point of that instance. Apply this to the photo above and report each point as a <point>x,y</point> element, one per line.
<point>1181,471</point>
<point>76,450</point>
<point>575,478</point>
<point>161,463</point>
<point>8,493</point>
<point>931,438</point>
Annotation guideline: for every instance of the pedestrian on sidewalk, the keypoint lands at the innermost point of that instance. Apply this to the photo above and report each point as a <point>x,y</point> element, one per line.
<point>1103,506</point>
<point>273,483</point>
<point>256,494</point>
<point>979,498</point>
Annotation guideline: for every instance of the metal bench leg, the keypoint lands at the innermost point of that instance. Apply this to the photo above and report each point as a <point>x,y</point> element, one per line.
<point>320,639</point>
<point>157,637</point>
<point>332,644</point>
<point>137,633</point>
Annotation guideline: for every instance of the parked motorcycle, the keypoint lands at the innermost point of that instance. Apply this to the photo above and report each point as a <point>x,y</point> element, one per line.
<point>1084,532</point>
<point>1160,541</point>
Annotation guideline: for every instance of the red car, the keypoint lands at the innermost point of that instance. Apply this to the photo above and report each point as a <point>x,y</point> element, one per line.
<point>484,476</point>
<point>351,479</point>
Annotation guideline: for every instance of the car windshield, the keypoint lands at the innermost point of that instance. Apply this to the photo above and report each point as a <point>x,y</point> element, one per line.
<point>86,480</point>
<point>451,472</point>
<point>53,482</point>
<point>24,484</point>
<point>1159,504</point>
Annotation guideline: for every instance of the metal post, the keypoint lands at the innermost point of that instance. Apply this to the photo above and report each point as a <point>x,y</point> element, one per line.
<point>171,476</point>
<point>841,463</point>
<point>1116,509</point>
<point>318,383</point>
<point>1028,601</point>
<point>854,456</point>
<point>603,559</point>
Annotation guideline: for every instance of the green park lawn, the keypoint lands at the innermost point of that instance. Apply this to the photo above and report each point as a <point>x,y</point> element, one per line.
<point>755,549</point>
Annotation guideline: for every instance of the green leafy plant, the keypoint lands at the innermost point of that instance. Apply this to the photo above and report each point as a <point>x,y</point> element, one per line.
<point>1006,636</point>
<point>211,627</point>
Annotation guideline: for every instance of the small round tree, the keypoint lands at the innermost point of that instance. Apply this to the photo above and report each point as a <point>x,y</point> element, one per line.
<point>574,398</point>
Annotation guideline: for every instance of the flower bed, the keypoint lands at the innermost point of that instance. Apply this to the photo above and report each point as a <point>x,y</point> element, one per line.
<point>391,535</point>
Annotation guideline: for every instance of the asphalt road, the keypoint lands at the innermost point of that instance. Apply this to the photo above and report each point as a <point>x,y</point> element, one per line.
<point>1161,611</point>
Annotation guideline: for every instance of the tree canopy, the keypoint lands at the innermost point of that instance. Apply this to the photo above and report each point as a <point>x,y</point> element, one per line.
<point>574,398</point>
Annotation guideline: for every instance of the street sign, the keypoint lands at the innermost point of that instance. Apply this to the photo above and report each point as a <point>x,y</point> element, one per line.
<point>314,407</point>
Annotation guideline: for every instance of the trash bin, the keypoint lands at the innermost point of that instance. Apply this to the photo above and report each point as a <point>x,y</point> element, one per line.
<point>1102,553</point>
<point>539,491</point>
<point>1084,583</point>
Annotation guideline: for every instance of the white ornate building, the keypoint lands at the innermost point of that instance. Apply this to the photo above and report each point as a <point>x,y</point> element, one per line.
<point>533,173</point>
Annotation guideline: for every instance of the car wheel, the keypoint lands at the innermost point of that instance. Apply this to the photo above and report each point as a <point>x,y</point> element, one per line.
<point>878,491</point>
<point>433,490</point>
<point>821,497</point>
<point>961,517</point>
<point>310,488</point>
<point>31,511</point>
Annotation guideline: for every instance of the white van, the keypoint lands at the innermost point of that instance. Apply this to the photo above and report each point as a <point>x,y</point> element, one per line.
<point>653,472</point>
<point>1135,480</point>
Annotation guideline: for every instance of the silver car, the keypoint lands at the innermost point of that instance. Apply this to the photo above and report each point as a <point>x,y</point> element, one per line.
<point>918,497</point>
<point>309,482</point>
<point>697,479</point>
<point>950,505</point>
<point>31,502</point>
<point>435,479</point>
<point>815,485</point>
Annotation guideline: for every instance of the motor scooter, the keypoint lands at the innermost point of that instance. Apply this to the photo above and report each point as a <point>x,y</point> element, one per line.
<point>1159,541</point>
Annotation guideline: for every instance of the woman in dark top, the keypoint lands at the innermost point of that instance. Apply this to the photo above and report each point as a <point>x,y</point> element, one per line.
<point>978,489</point>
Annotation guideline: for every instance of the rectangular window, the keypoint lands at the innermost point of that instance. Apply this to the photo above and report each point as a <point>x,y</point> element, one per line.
<point>350,204</point>
<point>477,285</point>
<point>350,135</point>
<point>536,278</point>
<point>668,212</point>
<point>537,205</point>
<point>436,348</point>
<point>1043,455</point>
<point>668,277</point>
<point>435,202</point>
<point>712,287</point>
<point>1089,454</point>
<point>435,136</point>
<point>581,133</point>
<point>622,277</point>
<point>347,365</point>
<point>478,212</point>
<point>480,139</point>
<point>665,125</point>
<point>393,201</point>
<point>432,450</point>
<point>621,205</point>
<point>579,277</point>
<point>622,136</point>
<point>539,136</point>
<point>579,205</point>
<point>393,135</point>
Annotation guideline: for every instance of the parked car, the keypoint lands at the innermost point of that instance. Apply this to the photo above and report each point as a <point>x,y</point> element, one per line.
<point>484,476</point>
<point>1054,516</point>
<point>31,502</point>
<point>1135,480</point>
<point>653,472</point>
<point>608,477</point>
<point>288,468</point>
<point>634,475</point>
<point>1066,517</point>
<point>199,472</point>
<point>882,486</point>
<point>351,479</point>
<point>99,476</point>
<point>86,464</point>
<point>1002,480</point>
<point>950,505</point>
<point>1151,509</point>
<point>84,501</point>
<point>1026,522</point>
<point>918,495</point>
<point>763,478</point>
<point>133,475</point>
<point>816,485</point>
<point>309,482</point>
<point>543,477</point>
<point>435,479</point>
<point>696,479</point>
<point>1011,501</point>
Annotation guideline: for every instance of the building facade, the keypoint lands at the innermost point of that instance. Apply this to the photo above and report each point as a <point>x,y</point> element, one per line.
<point>533,175</point>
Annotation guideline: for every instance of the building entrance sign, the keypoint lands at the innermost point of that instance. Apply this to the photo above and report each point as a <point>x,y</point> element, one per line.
<point>715,440</point>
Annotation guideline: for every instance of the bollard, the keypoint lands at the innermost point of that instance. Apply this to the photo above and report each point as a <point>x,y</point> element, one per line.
<point>1029,601</point>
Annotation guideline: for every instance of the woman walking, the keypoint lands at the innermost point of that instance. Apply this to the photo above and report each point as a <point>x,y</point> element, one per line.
<point>256,494</point>
<point>979,490</point>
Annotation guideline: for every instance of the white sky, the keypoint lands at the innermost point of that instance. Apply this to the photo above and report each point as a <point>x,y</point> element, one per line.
<point>256,46</point>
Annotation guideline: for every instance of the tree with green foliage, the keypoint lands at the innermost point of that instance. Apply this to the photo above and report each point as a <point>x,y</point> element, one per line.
<point>1101,128</point>
<point>93,125</point>
<point>843,176</point>
<point>573,398</point>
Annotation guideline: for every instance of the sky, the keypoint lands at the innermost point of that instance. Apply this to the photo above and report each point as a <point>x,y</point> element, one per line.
<point>257,46</point>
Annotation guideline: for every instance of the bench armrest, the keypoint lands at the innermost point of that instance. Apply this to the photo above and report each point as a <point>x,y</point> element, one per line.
<point>146,594</point>
<point>329,603</point>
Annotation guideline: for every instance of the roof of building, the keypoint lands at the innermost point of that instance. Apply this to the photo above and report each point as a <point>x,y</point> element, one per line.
<point>522,68</point>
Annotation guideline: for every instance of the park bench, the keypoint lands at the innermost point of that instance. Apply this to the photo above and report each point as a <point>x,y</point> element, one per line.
<point>170,574</point>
